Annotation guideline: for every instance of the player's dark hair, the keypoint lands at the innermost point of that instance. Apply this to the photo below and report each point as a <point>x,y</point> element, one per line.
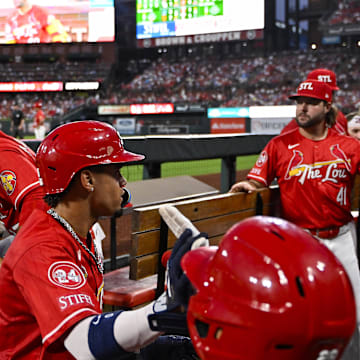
<point>53,199</point>
<point>330,117</point>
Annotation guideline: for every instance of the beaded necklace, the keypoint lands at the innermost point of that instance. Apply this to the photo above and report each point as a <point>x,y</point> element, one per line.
<point>68,227</point>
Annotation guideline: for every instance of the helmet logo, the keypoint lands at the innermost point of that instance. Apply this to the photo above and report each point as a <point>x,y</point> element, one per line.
<point>328,354</point>
<point>8,181</point>
<point>108,150</point>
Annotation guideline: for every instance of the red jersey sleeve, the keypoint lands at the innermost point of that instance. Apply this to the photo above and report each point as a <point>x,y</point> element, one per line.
<point>263,170</point>
<point>34,200</point>
<point>18,176</point>
<point>58,290</point>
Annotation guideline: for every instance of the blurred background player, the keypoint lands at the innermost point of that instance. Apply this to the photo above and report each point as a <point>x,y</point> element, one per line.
<point>20,191</point>
<point>315,167</point>
<point>17,122</point>
<point>329,78</point>
<point>39,122</point>
<point>267,292</point>
<point>53,265</point>
<point>33,24</point>
<point>354,124</point>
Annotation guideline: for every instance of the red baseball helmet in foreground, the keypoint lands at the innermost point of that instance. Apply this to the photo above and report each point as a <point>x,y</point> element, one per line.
<point>75,146</point>
<point>269,291</point>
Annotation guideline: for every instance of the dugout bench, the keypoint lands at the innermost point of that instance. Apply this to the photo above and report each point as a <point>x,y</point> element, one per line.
<point>143,280</point>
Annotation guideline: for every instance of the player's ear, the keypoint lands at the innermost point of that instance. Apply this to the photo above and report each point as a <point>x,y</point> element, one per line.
<point>87,180</point>
<point>328,106</point>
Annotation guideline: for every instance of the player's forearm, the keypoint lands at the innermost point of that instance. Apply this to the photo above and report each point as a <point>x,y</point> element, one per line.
<point>111,334</point>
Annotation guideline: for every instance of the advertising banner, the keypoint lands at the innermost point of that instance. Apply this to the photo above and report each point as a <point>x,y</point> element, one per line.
<point>227,125</point>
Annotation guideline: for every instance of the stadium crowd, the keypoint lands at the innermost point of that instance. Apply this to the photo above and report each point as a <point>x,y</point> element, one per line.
<point>57,103</point>
<point>348,12</point>
<point>240,81</point>
<point>56,71</point>
<point>210,81</point>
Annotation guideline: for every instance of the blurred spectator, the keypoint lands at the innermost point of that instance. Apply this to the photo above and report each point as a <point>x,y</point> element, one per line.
<point>348,12</point>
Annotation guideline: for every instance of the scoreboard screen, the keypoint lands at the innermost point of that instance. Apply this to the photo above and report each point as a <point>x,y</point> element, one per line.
<point>164,18</point>
<point>44,21</point>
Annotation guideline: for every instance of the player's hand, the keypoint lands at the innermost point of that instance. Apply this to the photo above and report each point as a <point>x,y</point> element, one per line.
<point>170,347</point>
<point>169,310</point>
<point>179,288</point>
<point>243,186</point>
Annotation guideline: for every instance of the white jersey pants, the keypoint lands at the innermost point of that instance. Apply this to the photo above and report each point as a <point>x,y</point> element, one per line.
<point>40,132</point>
<point>343,247</point>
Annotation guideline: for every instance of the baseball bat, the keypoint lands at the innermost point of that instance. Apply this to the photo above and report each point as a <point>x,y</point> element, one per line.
<point>178,223</point>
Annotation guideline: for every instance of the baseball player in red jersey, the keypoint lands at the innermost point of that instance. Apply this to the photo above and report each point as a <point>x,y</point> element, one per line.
<point>315,168</point>
<point>20,191</point>
<point>32,24</point>
<point>39,122</point>
<point>329,78</point>
<point>51,279</point>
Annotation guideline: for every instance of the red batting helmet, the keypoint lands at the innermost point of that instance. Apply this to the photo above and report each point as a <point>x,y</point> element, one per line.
<point>324,75</point>
<point>77,145</point>
<point>268,292</point>
<point>313,89</point>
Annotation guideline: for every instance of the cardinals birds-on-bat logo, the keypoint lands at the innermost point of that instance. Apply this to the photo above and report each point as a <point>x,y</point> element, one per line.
<point>293,168</point>
<point>340,155</point>
<point>296,166</point>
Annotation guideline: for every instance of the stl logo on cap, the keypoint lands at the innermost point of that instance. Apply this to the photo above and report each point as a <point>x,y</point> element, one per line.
<point>324,78</point>
<point>324,75</point>
<point>306,86</point>
<point>8,181</point>
<point>313,89</point>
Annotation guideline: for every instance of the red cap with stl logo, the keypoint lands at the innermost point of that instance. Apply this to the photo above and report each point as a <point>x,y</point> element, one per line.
<point>324,75</point>
<point>313,89</point>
